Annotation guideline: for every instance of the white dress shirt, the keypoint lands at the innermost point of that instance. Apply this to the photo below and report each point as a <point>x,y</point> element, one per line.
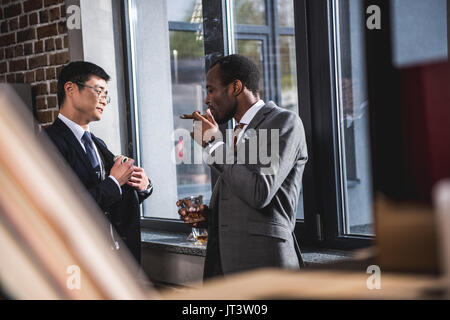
<point>78,131</point>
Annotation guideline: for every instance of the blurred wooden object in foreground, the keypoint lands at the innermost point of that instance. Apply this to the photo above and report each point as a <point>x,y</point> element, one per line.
<point>407,252</point>
<point>324,284</point>
<point>52,237</point>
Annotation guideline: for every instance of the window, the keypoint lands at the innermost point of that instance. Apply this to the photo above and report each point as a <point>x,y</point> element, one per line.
<point>167,67</point>
<point>352,118</point>
<point>313,67</point>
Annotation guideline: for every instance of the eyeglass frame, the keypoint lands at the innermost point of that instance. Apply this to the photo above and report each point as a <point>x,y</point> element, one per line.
<point>98,91</point>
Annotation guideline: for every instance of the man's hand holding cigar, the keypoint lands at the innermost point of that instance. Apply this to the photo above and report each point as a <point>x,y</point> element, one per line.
<point>205,127</point>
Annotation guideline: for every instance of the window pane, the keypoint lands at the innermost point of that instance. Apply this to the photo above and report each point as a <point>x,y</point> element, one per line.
<point>249,12</point>
<point>289,93</point>
<point>188,74</point>
<point>185,10</point>
<point>253,49</point>
<point>285,13</point>
<point>169,81</point>
<point>353,123</point>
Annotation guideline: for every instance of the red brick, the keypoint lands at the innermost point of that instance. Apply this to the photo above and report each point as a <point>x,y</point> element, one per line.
<point>3,67</point>
<point>54,14</point>
<point>18,65</point>
<point>63,11</point>
<point>10,78</point>
<point>48,3</point>
<point>14,24</point>
<point>27,34</point>
<point>23,22</point>
<point>43,16</point>
<point>52,102</point>
<point>20,78</point>
<point>47,31</point>
<point>28,48</point>
<point>58,43</point>
<point>40,75</point>
<point>33,18</point>
<point>10,53</point>
<point>59,58</point>
<point>40,89</point>
<point>62,27</point>
<point>18,50</point>
<point>54,87</point>
<point>50,73</point>
<point>41,103</point>
<point>29,77</point>
<point>2,78</point>
<point>66,42</point>
<point>32,5</point>
<point>39,61</point>
<point>50,44</point>
<point>7,40</point>
<point>38,47</point>
<point>2,53</point>
<point>4,27</point>
<point>13,10</point>
<point>45,116</point>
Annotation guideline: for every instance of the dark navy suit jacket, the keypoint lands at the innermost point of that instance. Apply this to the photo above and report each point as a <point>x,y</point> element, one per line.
<point>121,210</point>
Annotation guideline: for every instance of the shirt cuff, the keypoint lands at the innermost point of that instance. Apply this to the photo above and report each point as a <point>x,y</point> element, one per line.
<point>117,182</point>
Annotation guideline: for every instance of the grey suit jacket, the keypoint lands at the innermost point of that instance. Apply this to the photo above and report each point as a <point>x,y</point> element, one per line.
<point>253,203</point>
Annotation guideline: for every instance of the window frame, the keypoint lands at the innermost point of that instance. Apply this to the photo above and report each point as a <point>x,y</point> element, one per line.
<point>322,225</point>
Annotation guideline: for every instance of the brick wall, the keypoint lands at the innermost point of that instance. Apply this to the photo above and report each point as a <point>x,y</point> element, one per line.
<point>33,48</point>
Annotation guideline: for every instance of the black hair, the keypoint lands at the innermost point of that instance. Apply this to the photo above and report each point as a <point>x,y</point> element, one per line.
<point>238,67</point>
<point>78,71</point>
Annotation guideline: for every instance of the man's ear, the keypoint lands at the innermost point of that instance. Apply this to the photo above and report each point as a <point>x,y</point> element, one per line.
<point>238,87</point>
<point>69,88</point>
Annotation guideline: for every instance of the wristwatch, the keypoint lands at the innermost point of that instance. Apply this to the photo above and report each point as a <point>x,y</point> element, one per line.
<point>149,189</point>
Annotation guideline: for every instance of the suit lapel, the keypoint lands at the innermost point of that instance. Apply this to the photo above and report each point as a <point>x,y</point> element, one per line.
<point>261,115</point>
<point>70,137</point>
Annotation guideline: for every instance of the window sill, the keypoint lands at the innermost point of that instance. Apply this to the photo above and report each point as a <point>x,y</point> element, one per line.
<point>177,243</point>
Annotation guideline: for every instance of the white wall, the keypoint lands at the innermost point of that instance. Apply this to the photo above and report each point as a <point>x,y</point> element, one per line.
<point>102,45</point>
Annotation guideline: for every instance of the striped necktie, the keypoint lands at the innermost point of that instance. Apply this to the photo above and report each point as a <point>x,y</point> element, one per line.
<point>90,152</point>
<point>237,129</point>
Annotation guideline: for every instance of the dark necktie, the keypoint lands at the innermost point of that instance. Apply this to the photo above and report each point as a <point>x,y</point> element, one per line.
<point>237,129</point>
<point>90,152</point>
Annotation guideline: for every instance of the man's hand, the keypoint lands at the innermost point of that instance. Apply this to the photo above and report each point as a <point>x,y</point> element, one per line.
<point>205,128</point>
<point>187,213</point>
<point>138,179</point>
<point>122,171</point>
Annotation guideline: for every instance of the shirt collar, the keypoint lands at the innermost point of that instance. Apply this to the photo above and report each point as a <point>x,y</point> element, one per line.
<point>77,130</point>
<point>250,114</point>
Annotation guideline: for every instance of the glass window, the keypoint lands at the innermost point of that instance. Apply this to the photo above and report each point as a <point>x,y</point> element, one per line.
<point>169,77</point>
<point>353,122</point>
<point>285,13</point>
<point>288,66</point>
<point>253,49</point>
<point>251,12</point>
<point>185,10</point>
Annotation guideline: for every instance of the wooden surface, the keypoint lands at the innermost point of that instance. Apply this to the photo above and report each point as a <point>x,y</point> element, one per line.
<point>276,284</point>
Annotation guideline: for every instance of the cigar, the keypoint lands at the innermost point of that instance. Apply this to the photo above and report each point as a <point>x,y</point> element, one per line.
<point>190,116</point>
<point>124,159</point>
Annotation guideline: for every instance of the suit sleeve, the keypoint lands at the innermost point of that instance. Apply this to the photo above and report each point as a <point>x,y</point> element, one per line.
<point>258,183</point>
<point>106,193</point>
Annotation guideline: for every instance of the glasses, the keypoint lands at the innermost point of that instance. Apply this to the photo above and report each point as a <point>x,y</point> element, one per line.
<point>98,91</point>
